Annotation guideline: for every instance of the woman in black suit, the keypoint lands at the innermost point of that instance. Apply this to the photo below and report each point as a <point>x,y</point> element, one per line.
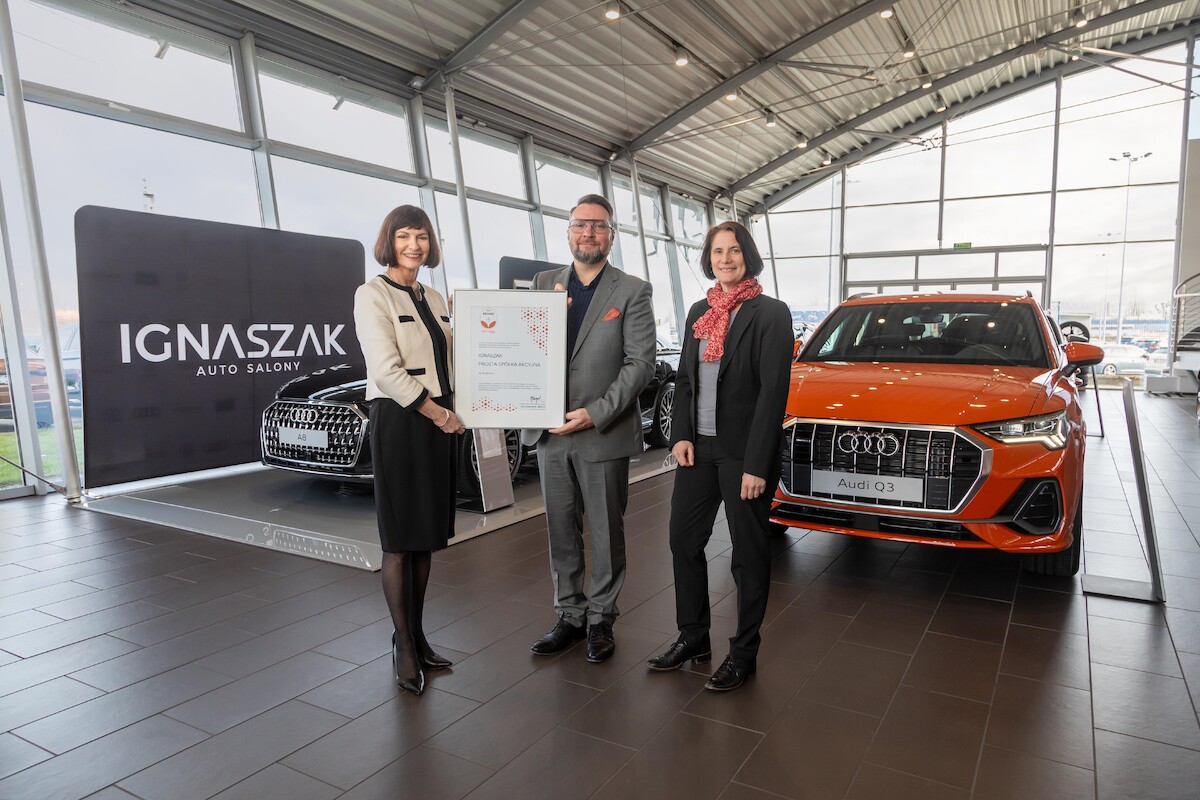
<point>730,395</point>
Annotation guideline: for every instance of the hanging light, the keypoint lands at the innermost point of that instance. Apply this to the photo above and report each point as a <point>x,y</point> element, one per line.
<point>941,106</point>
<point>681,56</point>
<point>772,120</point>
<point>926,81</point>
<point>909,49</point>
<point>801,141</point>
<point>887,13</point>
<point>612,11</point>
<point>827,160</point>
<point>1078,20</point>
<point>732,94</point>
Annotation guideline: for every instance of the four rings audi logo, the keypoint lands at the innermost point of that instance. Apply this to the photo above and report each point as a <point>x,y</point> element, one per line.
<point>303,415</point>
<point>869,444</point>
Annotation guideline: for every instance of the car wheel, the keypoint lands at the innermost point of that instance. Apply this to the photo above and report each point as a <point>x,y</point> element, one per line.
<point>468,461</point>
<point>1064,563</point>
<point>659,434</point>
<point>1109,369</point>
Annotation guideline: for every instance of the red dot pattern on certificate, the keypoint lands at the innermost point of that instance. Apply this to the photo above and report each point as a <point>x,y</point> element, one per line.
<point>486,404</point>
<point>537,320</point>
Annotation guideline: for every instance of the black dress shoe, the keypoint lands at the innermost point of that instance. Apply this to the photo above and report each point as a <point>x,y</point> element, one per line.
<point>414,684</point>
<point>601,644</point>
<point>432,661</point>
<point>699,652</point>
<point>732,673</point>
<point>560,637</point>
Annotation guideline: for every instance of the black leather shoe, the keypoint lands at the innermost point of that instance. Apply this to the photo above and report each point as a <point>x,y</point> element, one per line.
<point>700,652</point>
<point>415,684</point>
<point>732,673</point>
<point>601,643</point>
<point>432,661</point>
<point>560,637</point>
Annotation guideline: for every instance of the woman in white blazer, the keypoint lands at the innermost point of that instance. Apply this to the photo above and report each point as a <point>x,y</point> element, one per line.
<point>403,328</point>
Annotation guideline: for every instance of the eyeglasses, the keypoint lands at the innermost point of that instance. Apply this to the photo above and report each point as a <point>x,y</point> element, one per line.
<point>597,225</point>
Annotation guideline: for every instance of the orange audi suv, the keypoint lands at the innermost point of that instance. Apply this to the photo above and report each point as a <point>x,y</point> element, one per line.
<point>942,419</point>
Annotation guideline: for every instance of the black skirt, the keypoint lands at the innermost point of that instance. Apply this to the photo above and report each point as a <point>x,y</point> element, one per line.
<point>415,466</point>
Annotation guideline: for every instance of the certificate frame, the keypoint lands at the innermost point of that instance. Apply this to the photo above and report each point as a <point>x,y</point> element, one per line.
<point>510,358</point>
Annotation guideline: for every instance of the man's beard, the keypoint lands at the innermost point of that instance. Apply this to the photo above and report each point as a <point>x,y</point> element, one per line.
<point>590,257</point>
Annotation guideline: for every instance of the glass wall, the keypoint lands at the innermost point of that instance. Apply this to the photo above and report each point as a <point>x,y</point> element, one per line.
<point>1112,228</point>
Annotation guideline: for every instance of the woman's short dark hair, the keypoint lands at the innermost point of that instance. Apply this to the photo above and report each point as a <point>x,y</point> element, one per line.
<point>754,262</point>
<point>405,217</point>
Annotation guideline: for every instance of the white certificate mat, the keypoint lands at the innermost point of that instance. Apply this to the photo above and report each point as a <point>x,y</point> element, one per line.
<point>510,358</point>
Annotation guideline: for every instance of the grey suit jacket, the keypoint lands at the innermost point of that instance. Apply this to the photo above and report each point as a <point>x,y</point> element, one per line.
<point>611,364</point>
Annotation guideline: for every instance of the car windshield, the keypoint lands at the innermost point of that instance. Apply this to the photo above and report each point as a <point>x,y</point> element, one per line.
<point>935,332</point>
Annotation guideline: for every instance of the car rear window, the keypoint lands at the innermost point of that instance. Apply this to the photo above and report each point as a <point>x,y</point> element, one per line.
<point>939,332</point>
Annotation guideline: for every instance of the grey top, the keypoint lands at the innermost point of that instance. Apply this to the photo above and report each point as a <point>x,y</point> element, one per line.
<point>706,390</point>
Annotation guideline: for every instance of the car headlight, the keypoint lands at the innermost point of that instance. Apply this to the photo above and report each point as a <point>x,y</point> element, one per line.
<point>1049,430</point>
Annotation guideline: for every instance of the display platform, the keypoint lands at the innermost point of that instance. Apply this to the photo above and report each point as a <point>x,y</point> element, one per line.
<point>316,518</point>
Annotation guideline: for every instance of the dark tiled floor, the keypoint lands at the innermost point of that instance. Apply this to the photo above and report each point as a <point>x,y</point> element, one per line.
<point>139,661</point>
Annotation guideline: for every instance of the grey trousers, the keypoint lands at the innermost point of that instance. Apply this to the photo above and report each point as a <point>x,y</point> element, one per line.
<point>571,487</point>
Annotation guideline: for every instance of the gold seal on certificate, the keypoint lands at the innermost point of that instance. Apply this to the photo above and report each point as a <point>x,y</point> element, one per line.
<point>510,356</point>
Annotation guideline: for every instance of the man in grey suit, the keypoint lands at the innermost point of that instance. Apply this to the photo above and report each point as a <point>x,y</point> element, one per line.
<point>584,463</point>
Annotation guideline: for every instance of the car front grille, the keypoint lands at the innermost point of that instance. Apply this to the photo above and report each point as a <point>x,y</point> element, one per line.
<point>344,425</point>
<point>948,464</point>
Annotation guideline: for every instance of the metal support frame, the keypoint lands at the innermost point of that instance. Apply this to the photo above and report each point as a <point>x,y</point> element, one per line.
<point>537,225</point>
<point>460,184</point>
<point>421,161</point>
<point>641,224</point>
<point>1123,588</point>
<point>673,261</point>
<point>608,189</point>
<point>15,100</point>
<point>249,92</point>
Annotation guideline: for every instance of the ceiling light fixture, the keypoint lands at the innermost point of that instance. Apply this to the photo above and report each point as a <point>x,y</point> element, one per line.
<point>612,11</point>
<point>772,120</point>
<point>887,13</point>
<point>941,106</point>
<point>731,95</point>
<point>801,141</point>
<point>681,56</point>
<point>926,81</point>
<point>825,162</point>
<point>1078,20</point>
<point>908,50</point>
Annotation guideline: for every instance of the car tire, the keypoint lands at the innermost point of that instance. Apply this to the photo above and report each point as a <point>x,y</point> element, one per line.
<point>1064,563</point>
<point>659,434</point>
<point>1109,370</point>
<point>468,465</point>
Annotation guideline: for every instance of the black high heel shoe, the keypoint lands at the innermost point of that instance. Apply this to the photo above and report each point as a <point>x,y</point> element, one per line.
<point>433,661</point>
<point>413,685</point>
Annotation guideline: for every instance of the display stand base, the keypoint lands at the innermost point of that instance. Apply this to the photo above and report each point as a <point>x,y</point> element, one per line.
<point>1120,588</point>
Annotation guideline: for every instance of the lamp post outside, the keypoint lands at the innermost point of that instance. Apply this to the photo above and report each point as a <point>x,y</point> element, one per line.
<point>1129,160</point>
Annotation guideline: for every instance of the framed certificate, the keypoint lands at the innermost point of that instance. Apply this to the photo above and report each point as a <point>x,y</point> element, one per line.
<point>510,358</point>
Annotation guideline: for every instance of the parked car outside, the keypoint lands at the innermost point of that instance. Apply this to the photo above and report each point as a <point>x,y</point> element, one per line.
<point>317,425</point>
<point>1123,359</point>
<point>941,419</point>
<point>39,386</point>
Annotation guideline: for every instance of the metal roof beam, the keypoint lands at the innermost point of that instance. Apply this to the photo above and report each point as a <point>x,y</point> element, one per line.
<point>481,41</point>
<point>995,61</point>
<point>831,28</point>
<point>888,140</point>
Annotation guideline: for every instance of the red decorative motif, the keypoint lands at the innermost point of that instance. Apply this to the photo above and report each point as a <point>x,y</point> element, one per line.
<point>537,320</point>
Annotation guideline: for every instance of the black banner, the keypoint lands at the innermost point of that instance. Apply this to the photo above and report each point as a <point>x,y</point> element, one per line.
<point>187,329</point>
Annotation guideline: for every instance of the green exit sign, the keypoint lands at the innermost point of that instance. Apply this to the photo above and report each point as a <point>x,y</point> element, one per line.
<point>962,245</point>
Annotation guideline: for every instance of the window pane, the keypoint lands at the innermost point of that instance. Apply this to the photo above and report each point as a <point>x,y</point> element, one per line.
<point>808,285</point>
<point>956,265</point>
<point>304,110</point>
<point>1003,149</point>
<point>995,221</point>
<point>901,227</point>
<point>1096,280</point>
<point>651,205</point>
<point>496,231</point>
<point>805,233</point>
<point>691,276</point>
<point>690,220</point>
<point>303,191</point>
<point>660,279</point>
<point>557,249</point>
<point>1107,113</point>
<point>1023,263</point>
<point>137,64</point>
<point>826,194</point>
<point>889,268</point>
<point>1099,215</point>
<point>490,164</point>
<point>901,173</point>
<point>561,183</point>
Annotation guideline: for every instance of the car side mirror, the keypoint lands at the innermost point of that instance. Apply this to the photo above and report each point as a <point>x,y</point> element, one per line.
<point>1081,354</point>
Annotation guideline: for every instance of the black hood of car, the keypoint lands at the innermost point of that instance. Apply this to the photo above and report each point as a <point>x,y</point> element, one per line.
<point>343,382</point>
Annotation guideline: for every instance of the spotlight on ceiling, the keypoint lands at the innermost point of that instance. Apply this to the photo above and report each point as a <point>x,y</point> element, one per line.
<point>801,141</point>
<point>941,106</point>
<point>926,81</point>
<point>681,56</point>
<point>909,49</point>
<point>827,160</point>
<point>887,13</point>
<point>612,11</point>
<point>1078,20</point>
<point>772,120</point>
<point>731,95</point>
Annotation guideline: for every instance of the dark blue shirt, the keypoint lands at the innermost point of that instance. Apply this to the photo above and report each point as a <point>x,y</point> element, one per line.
<point>581,298</point>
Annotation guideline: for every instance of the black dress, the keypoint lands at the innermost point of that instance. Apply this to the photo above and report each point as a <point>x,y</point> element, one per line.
<point>415,463</point>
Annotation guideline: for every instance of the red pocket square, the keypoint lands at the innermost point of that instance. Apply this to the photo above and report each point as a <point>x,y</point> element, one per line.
<point>612,314</point>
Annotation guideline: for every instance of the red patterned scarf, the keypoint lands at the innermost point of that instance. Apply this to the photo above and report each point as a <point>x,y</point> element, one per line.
<point>714,323</point>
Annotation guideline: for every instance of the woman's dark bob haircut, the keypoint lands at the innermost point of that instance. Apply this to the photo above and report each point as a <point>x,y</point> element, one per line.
<point>405,217</point>
<point>754,262</point>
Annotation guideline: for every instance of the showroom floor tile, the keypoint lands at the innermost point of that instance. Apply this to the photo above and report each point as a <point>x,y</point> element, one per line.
<point>139,660</point>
